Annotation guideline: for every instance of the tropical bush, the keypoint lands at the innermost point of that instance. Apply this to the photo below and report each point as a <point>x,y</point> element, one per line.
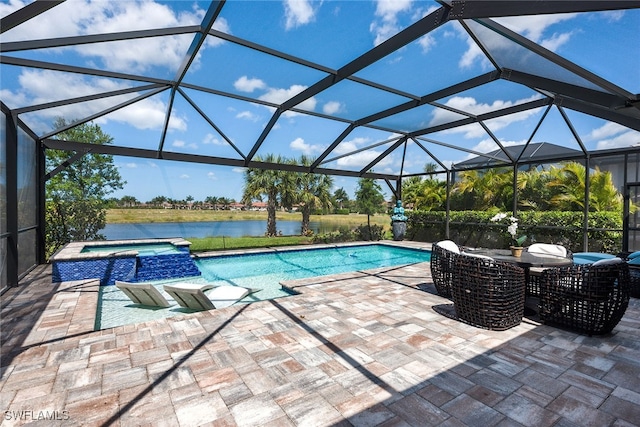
<point>369,232</point>
<point>475,229</point>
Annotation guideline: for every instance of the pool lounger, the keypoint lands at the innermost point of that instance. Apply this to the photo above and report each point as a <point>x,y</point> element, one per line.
<point>143,293</point>
<point>191,295</point>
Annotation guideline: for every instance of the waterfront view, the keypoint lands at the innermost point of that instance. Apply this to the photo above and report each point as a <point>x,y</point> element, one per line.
<point>203,229</point>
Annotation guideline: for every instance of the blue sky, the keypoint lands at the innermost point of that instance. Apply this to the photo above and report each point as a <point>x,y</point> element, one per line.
<point>329,33</point>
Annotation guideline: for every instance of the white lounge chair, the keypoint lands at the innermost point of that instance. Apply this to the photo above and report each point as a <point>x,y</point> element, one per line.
<point>143,293</point>
<point>191,295</point>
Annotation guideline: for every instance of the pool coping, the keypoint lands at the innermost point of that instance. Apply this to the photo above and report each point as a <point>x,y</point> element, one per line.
<point>73,251</point>
<point>78,300</point>
<point>271,249</point>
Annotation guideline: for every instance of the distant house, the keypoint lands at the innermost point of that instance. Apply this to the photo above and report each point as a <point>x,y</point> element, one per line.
<point>540,152</point>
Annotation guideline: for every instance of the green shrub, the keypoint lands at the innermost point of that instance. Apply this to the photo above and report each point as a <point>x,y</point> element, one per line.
<point>364,232</point>
<point>474,229</point>
<point>344,234</point>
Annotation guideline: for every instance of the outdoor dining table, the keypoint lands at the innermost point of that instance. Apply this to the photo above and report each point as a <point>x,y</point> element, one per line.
<point>526,261</point>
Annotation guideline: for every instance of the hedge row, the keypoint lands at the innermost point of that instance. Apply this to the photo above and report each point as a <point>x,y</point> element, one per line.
<point>474,229</point>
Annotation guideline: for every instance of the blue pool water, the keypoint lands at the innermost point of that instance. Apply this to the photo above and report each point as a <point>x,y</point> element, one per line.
<point>254,270</point>
<point>143,249</point>
<point>263,271</point>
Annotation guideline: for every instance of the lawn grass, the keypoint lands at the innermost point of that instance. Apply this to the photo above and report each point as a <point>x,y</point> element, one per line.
<point>222,243</point>
<point>124,216</point>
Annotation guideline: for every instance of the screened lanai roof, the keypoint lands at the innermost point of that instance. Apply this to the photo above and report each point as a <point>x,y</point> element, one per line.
<point>367,88</point>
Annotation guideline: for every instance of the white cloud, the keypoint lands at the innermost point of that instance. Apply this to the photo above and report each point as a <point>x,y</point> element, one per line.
<point>238,170</point>
<point>556,40</point>
<point>606,130</point>
<point>298,144</point>
<point>181,144</point>
<point>362,158</point>
<point>625,139</point>
<point>184,176</point>
<point>278,96</point>
<point>248,115</point>
<point>90,17</point>
<point>613,135</point>
<point>488,145</point>
<point>81,17</point>
<point>212,176</point>
<point>426,42</point>
<point>297,13</point>
<point>470,105</point>
<point>131,165</point>
<point>41,86</point>
<point>612,15</point>
<point>332,107</point>
<point>245,84</point>
<point>387,12</point>
<point>472,54</point>
<point>534,26</point>
<point>212,139</point>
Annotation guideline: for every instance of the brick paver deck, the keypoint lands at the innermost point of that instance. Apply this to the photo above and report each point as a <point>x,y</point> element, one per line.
<point>362,349</point>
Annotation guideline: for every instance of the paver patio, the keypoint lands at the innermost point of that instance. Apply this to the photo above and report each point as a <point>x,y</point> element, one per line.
<point>362,349</point>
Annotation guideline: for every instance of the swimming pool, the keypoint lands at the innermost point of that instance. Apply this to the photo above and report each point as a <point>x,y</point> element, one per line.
<point>143,249</point>
<point>251,270</point>
<point>262,270</point>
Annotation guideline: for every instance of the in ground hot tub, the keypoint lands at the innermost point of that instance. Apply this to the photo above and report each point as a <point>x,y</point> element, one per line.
<point>127,260</point>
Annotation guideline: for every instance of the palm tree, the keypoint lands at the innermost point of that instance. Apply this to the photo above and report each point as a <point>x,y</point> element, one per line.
<point>158,200</point>
<point>267,182</point>
<point>129,201</point>
<point>341,197</point>
<point>213,201</point>
<point>189,201</point>
<point>431,195</point>
<point>487,189</point>
<point>313,192</point>
<point>568,184</point>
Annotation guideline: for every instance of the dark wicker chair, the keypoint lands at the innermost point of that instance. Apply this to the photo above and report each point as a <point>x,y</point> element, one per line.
<point>633,260</point>
<point>589,298</point>
<point>488,293</point>
<point>535,273</point>
<point>634,275</point>
<point>442,266</point>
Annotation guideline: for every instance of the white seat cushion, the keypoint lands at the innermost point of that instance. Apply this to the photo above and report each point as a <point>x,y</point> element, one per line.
<point>547,249</point>
<point>449,245</point>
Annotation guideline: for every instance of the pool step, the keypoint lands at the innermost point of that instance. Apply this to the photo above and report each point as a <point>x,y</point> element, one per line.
<point>165,267</point>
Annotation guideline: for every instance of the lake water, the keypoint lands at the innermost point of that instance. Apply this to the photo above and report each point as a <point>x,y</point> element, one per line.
<point>207,229</point>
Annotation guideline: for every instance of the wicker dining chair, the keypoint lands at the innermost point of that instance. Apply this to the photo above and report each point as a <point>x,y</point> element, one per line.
<point>589,298</point>
<point>535,273</point>
<point>443,254</point>
<point>488,293</point>
<point>634,273</point>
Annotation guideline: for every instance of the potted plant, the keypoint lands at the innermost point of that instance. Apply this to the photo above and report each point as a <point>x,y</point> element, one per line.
<point>512,228</point>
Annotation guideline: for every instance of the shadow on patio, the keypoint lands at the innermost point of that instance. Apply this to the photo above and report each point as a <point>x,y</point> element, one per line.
<point>357,349</point>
